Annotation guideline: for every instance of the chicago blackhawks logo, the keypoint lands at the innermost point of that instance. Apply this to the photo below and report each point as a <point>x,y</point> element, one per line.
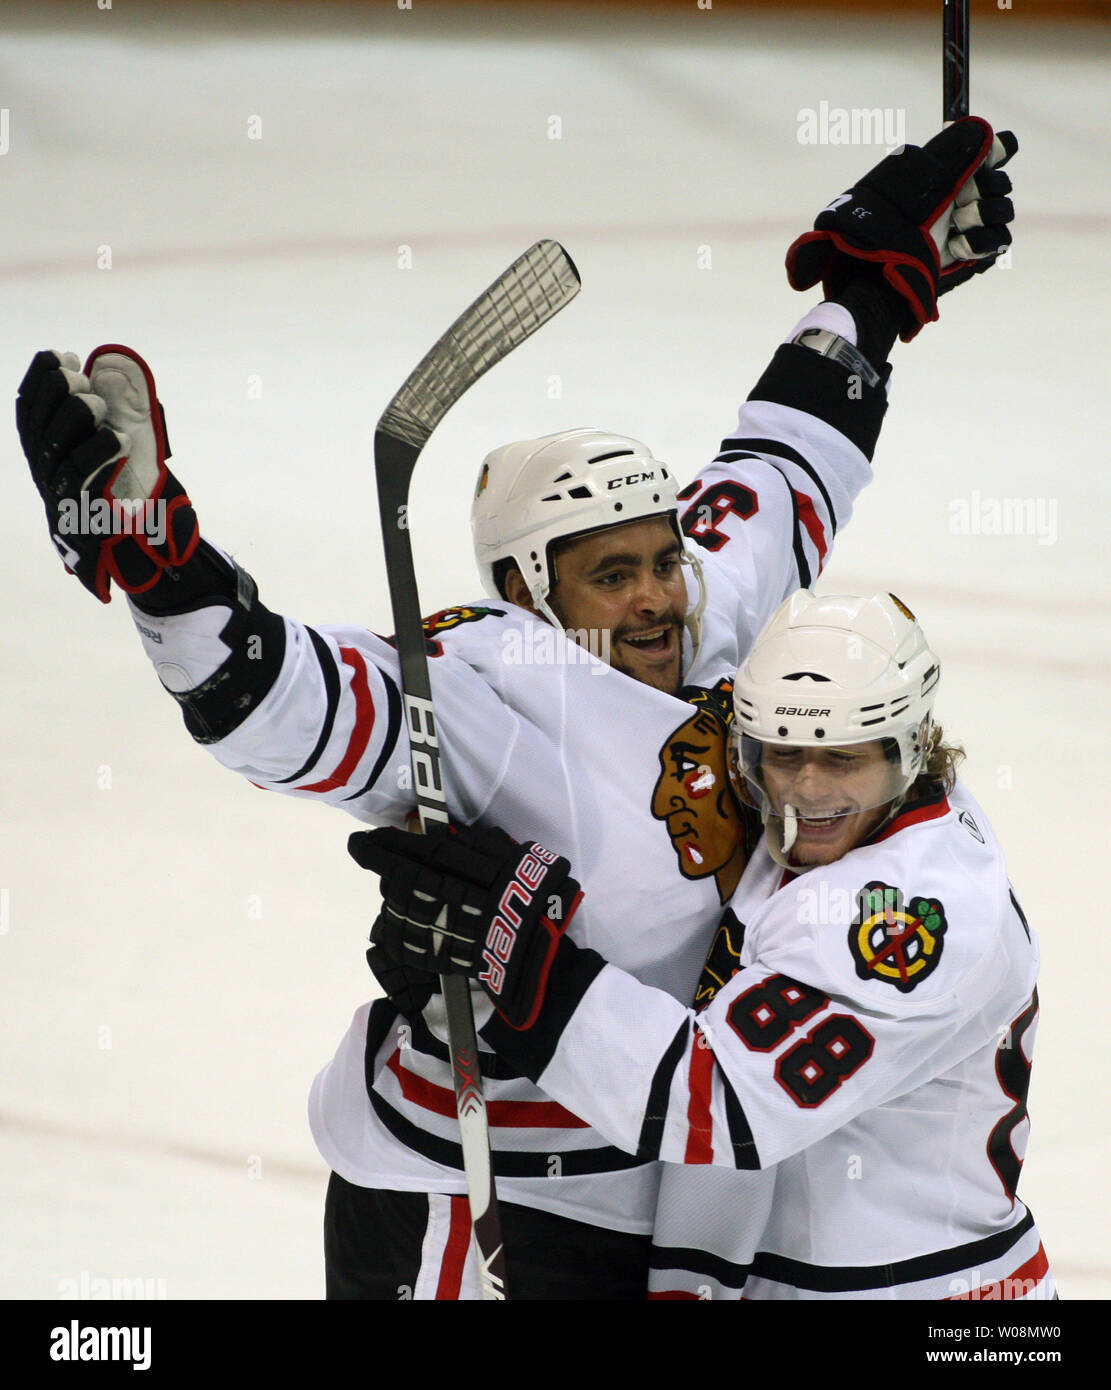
<point>448,618</point>
<point>896,942</point>
<point>694,796</point>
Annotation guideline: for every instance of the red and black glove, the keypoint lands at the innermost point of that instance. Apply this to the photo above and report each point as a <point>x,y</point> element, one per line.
<point>470,902</point>
<point>96,445</point>
<point>924,219</point>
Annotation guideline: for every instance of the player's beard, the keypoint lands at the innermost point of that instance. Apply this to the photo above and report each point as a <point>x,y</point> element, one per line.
<point>663,674</point>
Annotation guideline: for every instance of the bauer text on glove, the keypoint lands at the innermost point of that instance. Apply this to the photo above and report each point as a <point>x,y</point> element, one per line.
<point>472,902</point>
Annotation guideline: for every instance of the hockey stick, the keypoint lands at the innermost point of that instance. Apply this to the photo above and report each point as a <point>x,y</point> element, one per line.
<point>954,61</point>
<point>520,301</point>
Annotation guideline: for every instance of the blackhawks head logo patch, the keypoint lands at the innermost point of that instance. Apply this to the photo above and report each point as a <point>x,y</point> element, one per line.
<point>448,618</point>
<point>896,941</point>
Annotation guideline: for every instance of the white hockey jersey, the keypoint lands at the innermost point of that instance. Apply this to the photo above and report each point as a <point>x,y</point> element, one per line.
<point>865,1069</point>
<point>538,737</point>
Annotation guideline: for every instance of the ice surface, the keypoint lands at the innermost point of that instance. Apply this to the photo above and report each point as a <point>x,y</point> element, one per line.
<point>179,952</point>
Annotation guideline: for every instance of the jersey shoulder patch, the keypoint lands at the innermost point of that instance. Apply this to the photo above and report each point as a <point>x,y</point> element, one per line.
<point>447,620</point>
<point>896,937</point>
<point>901,922</point>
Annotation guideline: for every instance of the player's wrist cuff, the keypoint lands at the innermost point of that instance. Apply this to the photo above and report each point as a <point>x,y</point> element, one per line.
<point>829,314</point>
<point>208,574</point>
<point>573,970</point>
<point>839,350</point>
<point>808,382</point>
<point>878,313</point>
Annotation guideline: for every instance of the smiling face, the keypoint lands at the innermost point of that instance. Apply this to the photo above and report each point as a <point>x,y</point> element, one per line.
<point>839,796</point>
<point>625,582</point>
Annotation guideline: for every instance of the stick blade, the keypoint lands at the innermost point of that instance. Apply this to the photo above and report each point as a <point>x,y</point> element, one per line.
<point>521,300</point>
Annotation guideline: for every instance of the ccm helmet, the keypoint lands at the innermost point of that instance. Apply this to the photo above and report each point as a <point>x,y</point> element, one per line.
<point>832,671</point>
<point>536,493</point>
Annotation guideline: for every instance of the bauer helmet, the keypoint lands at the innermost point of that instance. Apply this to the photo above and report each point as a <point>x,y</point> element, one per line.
<point>832,671</point>
<point>537,493</point>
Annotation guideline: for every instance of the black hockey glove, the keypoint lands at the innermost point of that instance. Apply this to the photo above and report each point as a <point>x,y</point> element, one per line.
<point>924,219</point>
<point>96,445</point>
<point>406,987</point>
<point>472,902</point>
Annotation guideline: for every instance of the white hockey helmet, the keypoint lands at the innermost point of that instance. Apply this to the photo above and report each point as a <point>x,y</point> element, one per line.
<point>832,671</point>
<point>536,493</point>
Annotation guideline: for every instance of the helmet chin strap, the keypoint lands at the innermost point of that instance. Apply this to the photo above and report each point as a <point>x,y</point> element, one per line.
<point>693,620</point>
<point>545,611</point>
<point>781,852</point>
<point>780,845</point>
<point>790,827</point>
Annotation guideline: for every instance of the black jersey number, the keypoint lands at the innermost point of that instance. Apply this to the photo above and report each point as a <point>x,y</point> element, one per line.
<point>1013,1071</point>
<point>813,1069</point>
<point>816,1065</point>
<point>702,518</point>
<point>763,1015</point>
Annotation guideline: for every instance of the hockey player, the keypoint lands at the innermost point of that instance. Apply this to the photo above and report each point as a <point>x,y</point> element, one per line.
<point>316,712</point>
<point>864,1049</point>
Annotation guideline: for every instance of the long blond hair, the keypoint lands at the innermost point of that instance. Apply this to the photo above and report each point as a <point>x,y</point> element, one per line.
<point>942,761</point>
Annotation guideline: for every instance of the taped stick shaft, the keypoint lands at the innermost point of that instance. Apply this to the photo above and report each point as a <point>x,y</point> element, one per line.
<point>534,288</point>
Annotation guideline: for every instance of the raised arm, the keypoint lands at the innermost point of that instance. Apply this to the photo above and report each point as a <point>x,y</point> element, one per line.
<point>767,509</point>
<point>309,711</point>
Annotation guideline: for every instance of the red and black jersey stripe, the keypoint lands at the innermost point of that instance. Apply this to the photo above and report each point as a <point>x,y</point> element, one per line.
<point>507,1163</point>
<point>655,1113</point>
<point>803,512</point>
<point>383,1018</point>
<point>365,717</point>
<point>832,1279</point>
<point>330,677</point>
